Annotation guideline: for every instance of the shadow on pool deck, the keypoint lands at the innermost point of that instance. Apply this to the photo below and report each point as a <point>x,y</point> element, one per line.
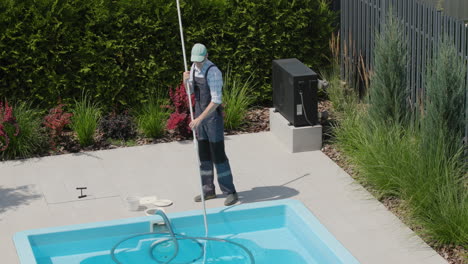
<point>267,193</point>
<point>11,198</point>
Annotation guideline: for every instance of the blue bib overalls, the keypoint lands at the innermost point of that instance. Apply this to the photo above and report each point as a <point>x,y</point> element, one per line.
<point>210,135</point>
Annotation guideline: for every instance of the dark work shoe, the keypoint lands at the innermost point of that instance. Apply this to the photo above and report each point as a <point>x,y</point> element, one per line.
<point>231,199</point>
<point>207,197</point>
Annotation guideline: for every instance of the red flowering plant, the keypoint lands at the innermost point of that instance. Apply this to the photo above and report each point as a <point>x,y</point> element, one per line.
<point>56,121</point>
<point>180,119</point>
<point>7,118</point>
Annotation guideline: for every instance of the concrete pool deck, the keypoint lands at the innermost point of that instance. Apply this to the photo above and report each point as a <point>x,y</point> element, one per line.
<point>38,193</point>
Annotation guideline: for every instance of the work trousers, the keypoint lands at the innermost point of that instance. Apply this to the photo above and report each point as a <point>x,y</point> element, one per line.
<point>210,135</point>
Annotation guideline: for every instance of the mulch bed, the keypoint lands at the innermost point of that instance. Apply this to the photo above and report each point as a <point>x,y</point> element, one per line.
<point>257,120</point>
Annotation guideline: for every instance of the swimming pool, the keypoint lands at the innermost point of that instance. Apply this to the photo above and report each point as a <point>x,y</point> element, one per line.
<point>275,232</point>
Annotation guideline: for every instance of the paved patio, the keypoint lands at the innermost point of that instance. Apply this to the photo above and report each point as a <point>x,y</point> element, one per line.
<point>39,193</point>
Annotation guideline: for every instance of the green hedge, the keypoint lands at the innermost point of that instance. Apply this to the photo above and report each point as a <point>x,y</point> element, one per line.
<point>118,51</point>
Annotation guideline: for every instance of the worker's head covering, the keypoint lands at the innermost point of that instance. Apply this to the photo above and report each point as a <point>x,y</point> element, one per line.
<point>198,53</point>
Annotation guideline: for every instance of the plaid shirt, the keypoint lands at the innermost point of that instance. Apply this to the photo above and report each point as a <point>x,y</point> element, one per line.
<point>215,80</point>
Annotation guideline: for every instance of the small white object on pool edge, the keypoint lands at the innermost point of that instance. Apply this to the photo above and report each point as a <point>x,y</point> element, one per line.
<point>148,199</point>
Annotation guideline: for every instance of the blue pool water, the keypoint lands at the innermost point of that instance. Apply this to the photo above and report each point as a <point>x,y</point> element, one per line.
<point>274,232</point>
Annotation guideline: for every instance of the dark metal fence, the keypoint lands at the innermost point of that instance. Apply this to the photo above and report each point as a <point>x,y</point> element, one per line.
<point>455,8</point>
<point>423,24</point>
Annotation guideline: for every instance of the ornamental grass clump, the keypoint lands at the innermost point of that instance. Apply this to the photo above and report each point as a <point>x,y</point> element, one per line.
<point>152,117</point>
<point>85,120</point>
<point>237,97</point>
<point>21,131</point>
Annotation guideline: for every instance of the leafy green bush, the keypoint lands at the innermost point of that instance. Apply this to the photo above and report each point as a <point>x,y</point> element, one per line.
<point>85,120</point>
<point>253,33</point>
<point>31,137</point>
<point>388,92</point>
<point>119,51</point>
<point>237,97</point>
<point>152,117</point>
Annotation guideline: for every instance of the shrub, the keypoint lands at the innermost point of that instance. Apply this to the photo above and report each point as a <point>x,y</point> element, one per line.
<point>119,50</point>
<point>56,121</point>
<point>180,119</point>
<point>85,120</point>
<point>445,99</point>
<point>421,162</point>
<point>388,92</point>
<point>7,119</point>
<point>23,128</point>
<point>237,97</point>
<point>256,32</point>
<point>118,126</point>
<point>440,202</point>
<point>152,117</point>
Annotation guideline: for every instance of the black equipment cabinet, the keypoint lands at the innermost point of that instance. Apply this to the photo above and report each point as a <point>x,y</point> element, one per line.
<point>291,78</point>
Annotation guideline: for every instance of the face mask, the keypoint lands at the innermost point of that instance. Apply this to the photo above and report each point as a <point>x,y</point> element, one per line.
<point>200,64</point>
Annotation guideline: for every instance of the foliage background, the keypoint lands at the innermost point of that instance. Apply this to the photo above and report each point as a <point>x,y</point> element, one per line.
<point>118,51</point>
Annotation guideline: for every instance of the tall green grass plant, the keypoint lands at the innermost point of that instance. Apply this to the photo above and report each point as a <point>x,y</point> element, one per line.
<point>380,151</point>
<point>343,96</point>
<point>437,196</point>
<point>31,138</point>
<point>85,120</point>
<point>390,159</point>
<point>237,97</point>
<point>152,117</point>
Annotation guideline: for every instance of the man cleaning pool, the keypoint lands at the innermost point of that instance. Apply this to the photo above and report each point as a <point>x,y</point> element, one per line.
<point>206,81</point>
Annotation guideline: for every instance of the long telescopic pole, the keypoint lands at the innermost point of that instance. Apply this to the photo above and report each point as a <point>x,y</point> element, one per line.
<point>195,142</point>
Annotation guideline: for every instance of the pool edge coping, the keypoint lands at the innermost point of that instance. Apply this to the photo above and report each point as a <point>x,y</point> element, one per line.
<point>25,253</point>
